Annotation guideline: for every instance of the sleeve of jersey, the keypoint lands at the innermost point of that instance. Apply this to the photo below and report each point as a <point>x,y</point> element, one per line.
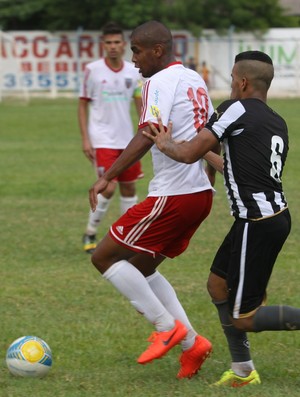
<point>137,93</point>
<point>226,119</point>
<point>86,86</point>
<point>157,101</point>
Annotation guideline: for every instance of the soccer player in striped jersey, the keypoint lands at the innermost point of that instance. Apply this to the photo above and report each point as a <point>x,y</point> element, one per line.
<point>255,142</point>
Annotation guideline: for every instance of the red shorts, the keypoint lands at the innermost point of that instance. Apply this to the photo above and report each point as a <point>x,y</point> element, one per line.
<point>106,157</point>
<point>162,225</point>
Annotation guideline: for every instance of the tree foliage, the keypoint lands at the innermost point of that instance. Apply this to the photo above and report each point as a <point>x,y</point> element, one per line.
<point>177,14</point>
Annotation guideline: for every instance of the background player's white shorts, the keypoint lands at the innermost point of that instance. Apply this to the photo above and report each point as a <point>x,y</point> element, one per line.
<point>162,225</point>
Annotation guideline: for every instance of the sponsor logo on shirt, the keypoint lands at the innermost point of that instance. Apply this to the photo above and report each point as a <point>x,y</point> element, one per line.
<point>218,115</point>
<point>128,82</point>
<point>154,110</point>
<point>156,95</point>
<point>114,96</point>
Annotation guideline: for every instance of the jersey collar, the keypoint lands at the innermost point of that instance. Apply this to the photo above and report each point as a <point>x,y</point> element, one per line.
<point>112,69</point>
<point>173,63</point>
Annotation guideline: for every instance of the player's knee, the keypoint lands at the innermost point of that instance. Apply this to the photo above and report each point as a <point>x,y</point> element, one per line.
<point>97,262</point>
<point>101,264</point>
<point>127,189</point>
<point>99,259</point>
<point>217,287</point>
<point>243,324</point>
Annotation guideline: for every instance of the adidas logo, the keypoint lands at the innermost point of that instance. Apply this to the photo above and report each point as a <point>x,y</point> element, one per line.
<point>120,229</point>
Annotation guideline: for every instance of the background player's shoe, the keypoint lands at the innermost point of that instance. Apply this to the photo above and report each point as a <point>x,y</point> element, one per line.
<point>89,243</point>
<point>192,359</point>
<point>229,378</point>
<point>162,342</point>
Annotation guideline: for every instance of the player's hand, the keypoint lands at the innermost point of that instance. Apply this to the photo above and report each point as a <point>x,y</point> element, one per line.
<point>211,174</point>
<point>99,186</point>
<point>159,136</point>
<point>88,151</point>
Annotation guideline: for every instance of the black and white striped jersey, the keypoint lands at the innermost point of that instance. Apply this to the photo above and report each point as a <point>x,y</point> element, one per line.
<point>255,144</point>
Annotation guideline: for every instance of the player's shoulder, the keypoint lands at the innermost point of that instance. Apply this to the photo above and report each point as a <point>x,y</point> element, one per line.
<point>227,103</point>
<point>168,75</point>
<point>98,63</point>
<point>129,67</point>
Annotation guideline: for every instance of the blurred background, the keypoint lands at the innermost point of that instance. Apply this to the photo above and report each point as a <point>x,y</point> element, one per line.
<point>45,44</point>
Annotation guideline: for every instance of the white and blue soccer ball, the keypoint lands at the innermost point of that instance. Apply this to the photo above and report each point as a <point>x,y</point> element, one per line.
<point>29,356</point>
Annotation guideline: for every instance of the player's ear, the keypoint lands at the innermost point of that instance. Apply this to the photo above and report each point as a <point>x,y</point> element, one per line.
<point>158,50</point>
<point>244,83</point>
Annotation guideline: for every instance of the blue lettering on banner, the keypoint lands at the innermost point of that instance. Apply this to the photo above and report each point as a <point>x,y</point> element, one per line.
<point>14,81</point>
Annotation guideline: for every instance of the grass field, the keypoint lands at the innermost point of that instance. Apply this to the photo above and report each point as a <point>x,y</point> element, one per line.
<point>50,289</point>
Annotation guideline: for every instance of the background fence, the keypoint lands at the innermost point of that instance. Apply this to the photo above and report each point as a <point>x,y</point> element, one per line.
<point>44,63</point>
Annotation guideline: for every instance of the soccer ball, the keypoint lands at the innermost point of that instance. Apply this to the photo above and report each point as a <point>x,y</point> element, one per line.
<point>29,356</point>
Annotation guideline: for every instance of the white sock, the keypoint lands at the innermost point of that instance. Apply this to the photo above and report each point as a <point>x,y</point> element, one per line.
<point>133,285</point>
<point>126,203</point>
<point>167,295</point>
<point>243,368</point>
<point>96,217</point>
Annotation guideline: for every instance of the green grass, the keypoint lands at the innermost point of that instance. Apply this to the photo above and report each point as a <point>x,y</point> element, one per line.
<point>50,289</point>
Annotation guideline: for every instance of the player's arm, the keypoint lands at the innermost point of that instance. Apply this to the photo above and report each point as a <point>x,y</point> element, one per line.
<point>135,150</point>
<point>214,160</point>
<point>184,152</point>
<point>137,97</point>
<point>83,125</point>
<point>210,169</point>
<point>138,104</point>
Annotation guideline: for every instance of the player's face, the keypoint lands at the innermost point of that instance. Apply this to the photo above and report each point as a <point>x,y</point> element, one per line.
<point>236,83</point>
<point>143,58</point>
<point>114,46</point>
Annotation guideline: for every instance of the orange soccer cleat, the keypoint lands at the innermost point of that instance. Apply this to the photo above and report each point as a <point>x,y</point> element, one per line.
<point>192,359</point>
<point>162,342</point>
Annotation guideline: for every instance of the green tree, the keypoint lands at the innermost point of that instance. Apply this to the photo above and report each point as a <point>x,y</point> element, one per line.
<point>177,14</point>
<point>54,14</point>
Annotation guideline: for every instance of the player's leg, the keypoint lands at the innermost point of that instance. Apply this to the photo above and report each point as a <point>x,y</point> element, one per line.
<point>166,294</point>
<point>113,261</point>
<point>238,344</point>
<point>127,186</point>
<point>95,217</point>
<point>128,196</point>
<point>150,226</point>
<point>266,239</point>
<point>241,363</point>
<point>195,347</point>
<point>103,160</point>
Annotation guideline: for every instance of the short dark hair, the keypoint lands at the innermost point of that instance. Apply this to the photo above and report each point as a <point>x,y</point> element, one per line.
<point>253,56</point>
<point>111,28</point>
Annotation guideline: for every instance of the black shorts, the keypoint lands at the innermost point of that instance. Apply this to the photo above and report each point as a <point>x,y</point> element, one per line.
<point>246,259</point>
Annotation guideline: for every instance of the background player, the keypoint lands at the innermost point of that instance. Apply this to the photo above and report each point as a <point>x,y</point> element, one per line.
<point>105,123</point>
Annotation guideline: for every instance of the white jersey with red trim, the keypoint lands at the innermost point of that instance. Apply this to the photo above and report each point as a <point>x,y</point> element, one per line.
<point>110,93</point>
<point>178,94</point>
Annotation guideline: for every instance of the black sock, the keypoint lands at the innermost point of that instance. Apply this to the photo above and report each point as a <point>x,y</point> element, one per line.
<point>276,318</point>
<point>237,340</point>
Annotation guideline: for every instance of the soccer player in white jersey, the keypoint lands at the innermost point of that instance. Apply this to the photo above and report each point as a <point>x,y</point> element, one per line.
<point>179,199</point>
<point>255,140</point>
<point>105,123</point>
